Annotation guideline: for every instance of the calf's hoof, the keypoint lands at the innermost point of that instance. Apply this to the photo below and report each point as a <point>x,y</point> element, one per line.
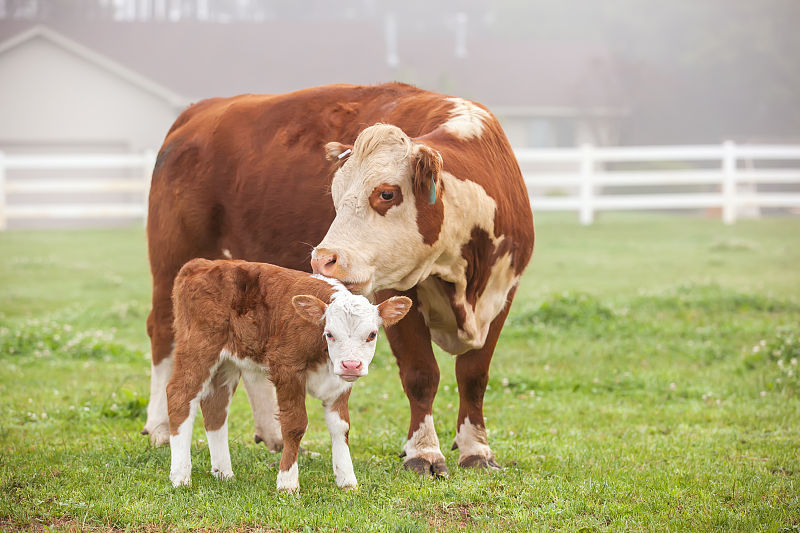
<point>159,435</point>
<point>180,479</point>
<point>222,474</point>
<point>479,462</point>
<point>431,467</point>
<point>273,445</point>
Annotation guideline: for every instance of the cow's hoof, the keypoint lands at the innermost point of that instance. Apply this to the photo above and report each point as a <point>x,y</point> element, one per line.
<point>159,436</point>
<point>479,462</point>
<point>273,445</point>
<point>425,467</point>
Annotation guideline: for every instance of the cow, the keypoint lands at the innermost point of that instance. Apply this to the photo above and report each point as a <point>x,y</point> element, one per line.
<point>236,319</point>
<point>403,191</point>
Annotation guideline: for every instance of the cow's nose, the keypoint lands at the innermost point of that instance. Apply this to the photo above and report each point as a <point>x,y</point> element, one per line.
<point>352,366</point>
<point>324,262</point>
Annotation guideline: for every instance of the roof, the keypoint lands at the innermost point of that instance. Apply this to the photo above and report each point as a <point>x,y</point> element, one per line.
<point>200,60</point>
<point>101,61</point>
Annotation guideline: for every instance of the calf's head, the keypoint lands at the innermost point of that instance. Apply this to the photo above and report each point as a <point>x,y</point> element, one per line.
<point>387,195</point>
<point>350,326</point>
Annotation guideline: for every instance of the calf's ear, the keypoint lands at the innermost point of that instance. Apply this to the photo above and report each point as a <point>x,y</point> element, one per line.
<point>394,309</point>
<point>309,307</point>
<point>427,168</point>
<point>338,152</point>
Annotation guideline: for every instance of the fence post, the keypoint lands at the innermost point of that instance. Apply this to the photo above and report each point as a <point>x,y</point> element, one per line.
<point>587,185</point>
<point>728,182</point>
<point>3,223</point>
<point>148,164</point>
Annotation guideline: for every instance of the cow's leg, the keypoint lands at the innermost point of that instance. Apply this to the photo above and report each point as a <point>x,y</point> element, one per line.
<point>215,418</point>
<point>472,374</point>
<point>337,418</point>
<point>291,393</point>
<point>261,393</point>
<point>159,328</point>
<point>410,340</point>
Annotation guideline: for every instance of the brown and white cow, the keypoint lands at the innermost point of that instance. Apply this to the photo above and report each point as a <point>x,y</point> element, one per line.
<point>253,321</point>
<point>429,203</point>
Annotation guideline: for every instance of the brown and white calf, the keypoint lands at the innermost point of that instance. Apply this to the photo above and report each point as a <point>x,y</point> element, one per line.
<point>259,322</point>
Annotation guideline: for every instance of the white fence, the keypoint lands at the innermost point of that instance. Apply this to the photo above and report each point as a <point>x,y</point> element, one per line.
<point>581,176</point>
<point>730,173</point>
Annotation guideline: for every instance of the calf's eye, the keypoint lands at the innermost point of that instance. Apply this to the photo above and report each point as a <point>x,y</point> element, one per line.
<point>387,195</point>
<point>372,336</point>
<point>329,335</point>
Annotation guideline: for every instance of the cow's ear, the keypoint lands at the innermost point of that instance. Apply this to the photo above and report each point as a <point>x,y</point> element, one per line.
<point>338,152</point>
<point>427,170</point>
<point>394,309</point>
<point>309,307</point>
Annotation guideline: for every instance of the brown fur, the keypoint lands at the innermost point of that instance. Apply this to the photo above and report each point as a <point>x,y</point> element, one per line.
<point>245,174</point>
<point>246,309</point>
<point>380,205</point>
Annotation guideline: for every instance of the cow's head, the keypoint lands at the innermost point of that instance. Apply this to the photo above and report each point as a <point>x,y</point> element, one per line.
<point>387,195</point>
<point>351,327</point>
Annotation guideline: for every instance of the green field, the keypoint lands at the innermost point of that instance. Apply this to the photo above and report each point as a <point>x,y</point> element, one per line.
<point>647,379</point>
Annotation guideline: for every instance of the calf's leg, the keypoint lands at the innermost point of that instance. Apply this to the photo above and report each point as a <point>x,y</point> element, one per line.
<point>472,374</point>
<point>291,393</point>
<point>264,404</point>
<point>337,418</point>
<point>410,341</point>
<point>215,418</point>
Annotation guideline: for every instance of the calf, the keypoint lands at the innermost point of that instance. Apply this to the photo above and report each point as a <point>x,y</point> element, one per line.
<point>262,322</point>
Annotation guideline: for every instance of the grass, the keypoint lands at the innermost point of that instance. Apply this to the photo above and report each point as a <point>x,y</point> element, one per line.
<point>647,380</point>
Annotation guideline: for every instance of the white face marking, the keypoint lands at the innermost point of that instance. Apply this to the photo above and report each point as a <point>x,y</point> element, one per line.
<point>383,154</point>
<point>467,120</point>
<point>351,329</point>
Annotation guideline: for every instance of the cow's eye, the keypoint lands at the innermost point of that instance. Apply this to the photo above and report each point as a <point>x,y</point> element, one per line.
<point>329,335</point>
<point>387,195</point>
<point>372,336</point>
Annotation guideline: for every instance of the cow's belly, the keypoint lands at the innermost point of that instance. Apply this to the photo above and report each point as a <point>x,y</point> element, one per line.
<point>468,331</point>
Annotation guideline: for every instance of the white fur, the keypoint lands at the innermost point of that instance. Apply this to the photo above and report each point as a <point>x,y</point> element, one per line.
<point>472,440</point>
<point>220,453</point>
<point>264,404</point>
<point>340,451</point>
<point>322,384</point>
<point>157,425</point>
<point>288,481</point>
<point>424,442</point>
<point>180,471</point>
<point>350,319</point>
<point>467,120</point>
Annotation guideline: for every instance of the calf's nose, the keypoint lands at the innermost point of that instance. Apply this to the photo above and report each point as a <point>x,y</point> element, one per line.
<point>324,262</point>
<point>351,365</point>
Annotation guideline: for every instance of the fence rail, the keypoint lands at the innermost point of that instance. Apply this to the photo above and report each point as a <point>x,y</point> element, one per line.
<point>728,168</point>
<point>581,175</point>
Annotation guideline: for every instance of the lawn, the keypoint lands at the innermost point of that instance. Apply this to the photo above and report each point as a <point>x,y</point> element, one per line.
<point>647,379</point>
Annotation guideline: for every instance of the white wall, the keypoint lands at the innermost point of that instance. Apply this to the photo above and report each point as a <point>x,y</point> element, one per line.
<point>51,96</point>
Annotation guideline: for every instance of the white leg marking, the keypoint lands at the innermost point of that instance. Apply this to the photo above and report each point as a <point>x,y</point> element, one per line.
<point>287,481</point>
<point>220,453</point>
<point>471,441</point>
<point>180,471</point>
<point>424,442</point>
<point>342,463</point>
<point>264,404</point>
<point>157,425</point>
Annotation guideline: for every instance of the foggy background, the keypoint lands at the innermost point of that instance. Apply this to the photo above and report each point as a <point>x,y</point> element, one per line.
<point>558,72</point>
